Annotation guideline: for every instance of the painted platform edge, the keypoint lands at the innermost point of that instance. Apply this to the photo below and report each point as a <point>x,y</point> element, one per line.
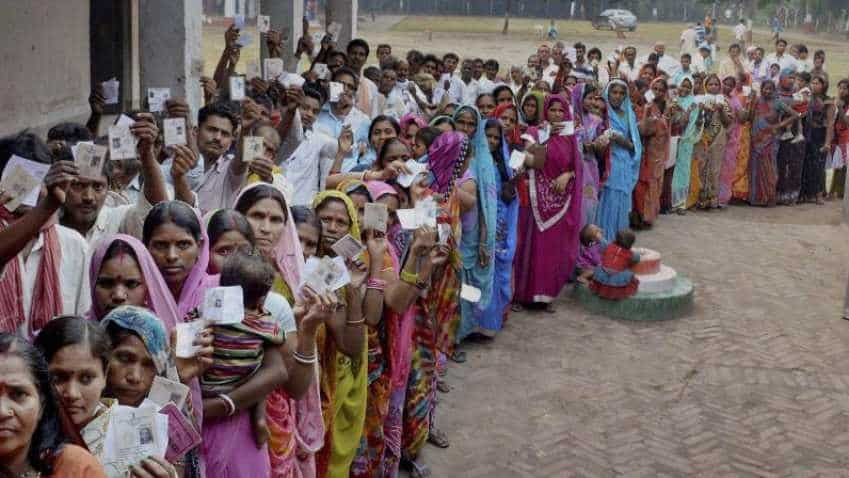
<point>667,305</point>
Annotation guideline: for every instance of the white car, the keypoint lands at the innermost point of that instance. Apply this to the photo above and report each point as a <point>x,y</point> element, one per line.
<point>615,18</point>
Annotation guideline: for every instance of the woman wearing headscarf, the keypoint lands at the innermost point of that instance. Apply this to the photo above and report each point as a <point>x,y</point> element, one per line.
<point>791,153</point>
<point>625,153</point>
<point>477,242</point>
<point>128,382</point>
<point>680,189</point>
<point>655,132</point>
<point>507,115</point>
<point>547,245</point>
<point>447,161</point>
<point>745,109</point>
<point>410,125</point>
<point>819,132</point>
<point>709,151</point>
<point>589,131</point>
<point>532,109</point>
<point>343,356</point>
<point>770,116</point>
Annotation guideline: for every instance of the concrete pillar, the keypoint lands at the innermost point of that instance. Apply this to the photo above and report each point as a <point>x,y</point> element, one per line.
<point>170,53</point>
<point>343,12</point>
<point>287,18</point>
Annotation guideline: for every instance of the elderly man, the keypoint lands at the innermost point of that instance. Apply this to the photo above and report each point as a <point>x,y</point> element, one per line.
<point>665,62</point>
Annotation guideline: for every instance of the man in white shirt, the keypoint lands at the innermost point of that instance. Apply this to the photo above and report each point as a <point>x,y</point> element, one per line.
<point>689,41</point>
<point>740,32</point>
<point>84,209</point>
<point>757,67</point>
<point>800,53</point>
<point>464,90</point>
<point>783,59</point>
<point>629,68</point>
<point>308,166</point>
<point>358,51</point>
<point>733,64</point>
<point>335,116</point>
<point>70,249</point>
<point>392,99</point>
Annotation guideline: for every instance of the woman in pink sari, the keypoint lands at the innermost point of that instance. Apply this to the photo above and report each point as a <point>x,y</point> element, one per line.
<point>548,243</point>
<point>739,110</point>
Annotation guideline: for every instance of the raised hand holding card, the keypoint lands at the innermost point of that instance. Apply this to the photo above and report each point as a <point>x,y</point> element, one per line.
<point>321,71</point>
<point>348,247</point>
<point>175,131</point>
<point>273,68</point>
<point>263,23</point>
<point>186,333</point>
<point>89,159</point>
<point>336,90</point>
<point>237,88</point>
<point>156,98</point>
<point>375,217</point>
<point>122,143</point>
<point>252,148</point>
<point>111,89</point>
<point>164,391</point>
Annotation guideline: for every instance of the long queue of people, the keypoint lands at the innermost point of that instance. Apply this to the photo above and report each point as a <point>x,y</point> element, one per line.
<point>107,269</point>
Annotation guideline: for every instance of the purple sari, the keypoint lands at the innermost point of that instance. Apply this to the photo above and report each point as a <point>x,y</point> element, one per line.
<point>548,230</point>
<point>588,129</point>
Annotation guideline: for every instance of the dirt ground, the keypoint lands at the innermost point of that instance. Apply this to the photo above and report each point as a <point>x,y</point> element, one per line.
<point>752,383</point>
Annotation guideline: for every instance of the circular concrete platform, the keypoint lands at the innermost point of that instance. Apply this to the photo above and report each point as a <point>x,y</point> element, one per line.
<point>672,303</point>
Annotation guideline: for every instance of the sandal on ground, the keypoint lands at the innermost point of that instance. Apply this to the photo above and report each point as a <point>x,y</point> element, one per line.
<point>845,318</point>
<point>443,386</point>
<point>479,338</point>
<point>517,307</point>
<point>458,356</point>
<point>437,438</point>
<point>416,469</point>
<point>550,308</point>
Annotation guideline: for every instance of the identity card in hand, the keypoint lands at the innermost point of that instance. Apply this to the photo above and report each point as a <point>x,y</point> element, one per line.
<point>237,88</point>
<point>223,305</point>
<point>263,23</point>
<point>182,436</point>
<point>186,334</point>
<point>89,159</point>
<point>568,128</point>
<point>175,131</point>
<point>252,148</point>
<point>133,434</point>
<point>336,90</point>
<point>416,168</point>
<point>375,217</point>
<point>291,80</point>
<point>333,30</point>
<point>164,391</point>
<point>348,247</point>
<point>273,68</point>
<point>517,159</point>
<point>321,71</point>
<point>325,274</point>
<point>122,142</point>
<point>110,91</point>
<point>156,98</point>
<point>21,180</point>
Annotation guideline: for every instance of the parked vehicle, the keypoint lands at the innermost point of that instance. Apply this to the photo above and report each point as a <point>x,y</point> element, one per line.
<point>613,18</point>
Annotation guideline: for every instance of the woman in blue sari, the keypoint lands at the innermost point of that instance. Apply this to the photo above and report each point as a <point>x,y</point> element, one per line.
<point>491,318</point>
<point>625,153</point>
<point>477,243</point>
<point>684,159</point>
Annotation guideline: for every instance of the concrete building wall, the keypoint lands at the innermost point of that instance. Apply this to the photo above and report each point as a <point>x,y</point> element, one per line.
<point>45,74</point>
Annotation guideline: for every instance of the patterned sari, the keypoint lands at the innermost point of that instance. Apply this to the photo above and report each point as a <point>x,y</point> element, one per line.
<point>655,153</point>
<point>763,171</point>
<point>344,384</point>
<point>728,170</point>
<point>681,177</point>
<point>740,183</point>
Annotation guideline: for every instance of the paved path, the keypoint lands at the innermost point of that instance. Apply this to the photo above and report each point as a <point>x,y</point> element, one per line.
<point>754,383</point>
